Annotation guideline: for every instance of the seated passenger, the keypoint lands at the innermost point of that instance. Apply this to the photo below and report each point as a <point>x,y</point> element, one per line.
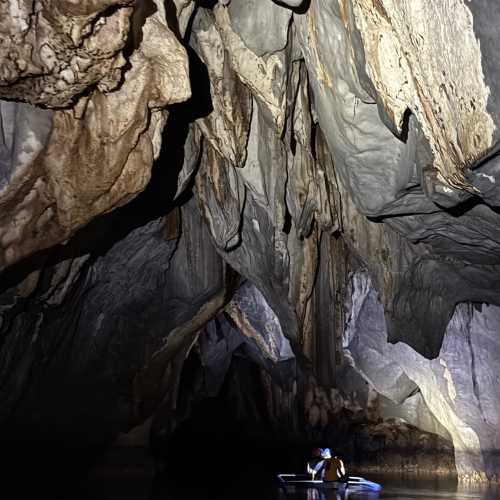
<point>334,469</point>
<point>315,466</point>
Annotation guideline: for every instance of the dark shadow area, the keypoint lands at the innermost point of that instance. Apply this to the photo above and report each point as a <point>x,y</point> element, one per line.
<point>462,208</point>
<point>456,211</point>
<point>228,441</point>
<point>301,9</point>
<point>46,469</point>
<point>207,4</point>
<point>171,18</point>
<point>405,127</point>
<point>143,10</point>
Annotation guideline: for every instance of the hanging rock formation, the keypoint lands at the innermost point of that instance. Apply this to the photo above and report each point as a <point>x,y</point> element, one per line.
<point>324,203</point>
<point>65,167</point>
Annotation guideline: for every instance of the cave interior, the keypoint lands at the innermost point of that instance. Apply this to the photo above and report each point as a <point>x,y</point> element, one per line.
<point>232,231</point>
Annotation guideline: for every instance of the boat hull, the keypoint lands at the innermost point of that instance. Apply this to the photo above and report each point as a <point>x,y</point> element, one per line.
<point>298,481</point>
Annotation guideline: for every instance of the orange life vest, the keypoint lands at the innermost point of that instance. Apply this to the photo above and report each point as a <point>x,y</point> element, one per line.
<point>334,469</point>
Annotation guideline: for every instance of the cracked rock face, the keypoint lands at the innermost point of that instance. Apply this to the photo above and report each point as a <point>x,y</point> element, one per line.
<point>312,154</point>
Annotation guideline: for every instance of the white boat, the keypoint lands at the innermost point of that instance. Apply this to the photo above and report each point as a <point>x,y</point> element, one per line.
<point>289,481</point>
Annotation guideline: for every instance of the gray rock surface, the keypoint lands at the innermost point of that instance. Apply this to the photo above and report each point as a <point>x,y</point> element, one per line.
<point>459,387</point>
<point>249,17</point>
<point>24,133</point>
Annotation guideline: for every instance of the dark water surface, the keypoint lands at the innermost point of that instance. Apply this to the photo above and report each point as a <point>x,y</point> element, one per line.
<point>402,488</point>
<point>393,487</point>
<point>203,473</point>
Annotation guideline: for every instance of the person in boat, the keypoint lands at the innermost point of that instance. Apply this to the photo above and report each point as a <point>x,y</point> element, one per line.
<point>333,468</point>
<point>315,465</point>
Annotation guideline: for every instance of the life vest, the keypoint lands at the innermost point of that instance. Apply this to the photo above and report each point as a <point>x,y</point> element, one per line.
<point>334,469</point>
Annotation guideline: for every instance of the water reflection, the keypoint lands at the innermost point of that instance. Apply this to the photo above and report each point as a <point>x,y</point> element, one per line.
<point>400,488</point>
<point>315,494</point>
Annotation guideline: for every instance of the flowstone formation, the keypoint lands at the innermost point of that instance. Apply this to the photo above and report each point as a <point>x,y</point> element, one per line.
<point>323,204</point>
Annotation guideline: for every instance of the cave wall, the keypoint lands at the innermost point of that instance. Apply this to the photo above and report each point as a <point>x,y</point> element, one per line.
<point>458,387</point>
<point>99,318</point>
<point>346,136</point>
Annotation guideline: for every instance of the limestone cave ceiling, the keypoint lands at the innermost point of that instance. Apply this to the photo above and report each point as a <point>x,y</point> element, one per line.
<point>291,144</point>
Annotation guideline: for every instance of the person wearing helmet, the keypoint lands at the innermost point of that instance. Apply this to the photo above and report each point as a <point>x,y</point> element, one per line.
<point>315,465</point>
<point>334,469</point>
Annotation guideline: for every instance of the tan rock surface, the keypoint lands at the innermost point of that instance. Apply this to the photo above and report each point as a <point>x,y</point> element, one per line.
<point>99,154</point>
<point>54,50</point>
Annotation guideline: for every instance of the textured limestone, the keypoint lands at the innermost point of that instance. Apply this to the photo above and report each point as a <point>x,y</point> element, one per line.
<point>249,328</point>
<point>265,77</point>
<point>415,411</point>
<point>184,11</point>
<point>256,223</point>
<point>53,51</point>
<point>191,160</point>
<point>365,153</point>
<point>98,155</point>
<point>374,172</point>
<point>253,16</point>
<point>377,173</point>
<point>228,125</point>
<point>433,68</point>
<point>116,148</point>
<point>222,196</point>
<point>257,321</point>
<point>24,133</point>
<point>393,180</point>
<point>27,217</point>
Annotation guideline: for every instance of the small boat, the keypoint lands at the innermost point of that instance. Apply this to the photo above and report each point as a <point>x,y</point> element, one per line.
<point>295,481</point>
<point>305,481</point>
